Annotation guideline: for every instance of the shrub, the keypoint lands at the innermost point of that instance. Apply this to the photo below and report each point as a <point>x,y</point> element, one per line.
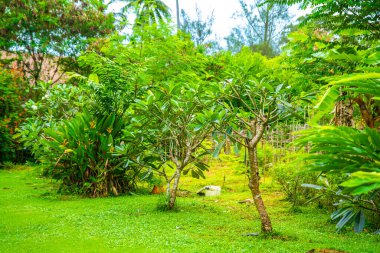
<point>351,155</point>
<point>12,91</point>
<point>291,177</point>
<point>80,153</point>
<point>58,102</point>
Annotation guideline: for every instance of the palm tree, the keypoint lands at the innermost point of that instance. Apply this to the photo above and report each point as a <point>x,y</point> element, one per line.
<point>148,12</point>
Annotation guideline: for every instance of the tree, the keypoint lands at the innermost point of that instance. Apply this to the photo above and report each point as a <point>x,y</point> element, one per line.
<point>198,29</point>
<point>341,15</point>
<point>174,113</point>
<point>254,102</point>
<point>361,87</point>
<point>265,22</point>
<point>47,34</point>
<point>335,41</point>
<point>148,12</point>
<point>345,48</point>
<point>178,118</point>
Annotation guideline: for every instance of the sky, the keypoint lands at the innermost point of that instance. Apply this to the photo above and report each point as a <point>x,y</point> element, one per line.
<point>223,12</point>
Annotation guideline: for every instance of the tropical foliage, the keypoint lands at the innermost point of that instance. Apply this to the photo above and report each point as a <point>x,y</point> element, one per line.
<point>159,103</point>
<point>178,118</point>
<point>11,112</point>
<point>147,12</point>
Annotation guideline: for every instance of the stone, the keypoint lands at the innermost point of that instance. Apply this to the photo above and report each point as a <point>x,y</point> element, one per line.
<point>210,190</point>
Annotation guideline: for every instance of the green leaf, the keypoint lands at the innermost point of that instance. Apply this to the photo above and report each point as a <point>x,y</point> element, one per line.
<point>359,221</point>
<point>201,174</point>
<point>340,212</point>
<point>194,174</point>
<point>356,77</point>
<point>373,59</point>
<point>362,182</point>
<point>322,55</point>
<point>347,218</point>
<point>325,105</point>
<point>93,78</point>
<point>298,37</point>
<point>354,32</point>
<point>279,88</point>
<point>198,127</point>
<point>201,166</point>
<point>218,148</point>
<point>319,45</point>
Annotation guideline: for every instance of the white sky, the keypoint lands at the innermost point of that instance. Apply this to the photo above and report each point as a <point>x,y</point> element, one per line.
<point>223,11</point>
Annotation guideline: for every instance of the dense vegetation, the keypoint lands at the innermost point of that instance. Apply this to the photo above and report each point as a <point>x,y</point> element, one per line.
<point>109,114</point>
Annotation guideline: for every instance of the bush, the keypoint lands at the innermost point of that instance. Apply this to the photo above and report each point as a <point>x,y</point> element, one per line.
<point>76,146</point>
<point>80,153</point>
<point>351,157</point>
<point>291,177</point>
<point>58,102</point>
<point>12,91</point>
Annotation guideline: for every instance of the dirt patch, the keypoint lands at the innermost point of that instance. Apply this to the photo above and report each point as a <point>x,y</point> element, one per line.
<point>325,251</point>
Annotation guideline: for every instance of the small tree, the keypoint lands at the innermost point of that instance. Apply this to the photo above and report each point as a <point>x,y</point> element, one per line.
<point>177,118</point>
<point>340,15</point>
<point>253,103</point>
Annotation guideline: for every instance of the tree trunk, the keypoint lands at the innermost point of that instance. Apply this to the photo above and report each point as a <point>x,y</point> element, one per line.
<point>254,185</point>
<point>227,147</point>
<point>173,190</point>
<point>344,114</point>
<point>178,18</point>
<point>365,111</point>
<point>265,50</point>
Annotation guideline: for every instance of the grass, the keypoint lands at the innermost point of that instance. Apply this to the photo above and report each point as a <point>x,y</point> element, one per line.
<point>36,219</point>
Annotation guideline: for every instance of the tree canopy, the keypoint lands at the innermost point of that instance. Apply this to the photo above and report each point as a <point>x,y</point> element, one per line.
<point>57,30</point>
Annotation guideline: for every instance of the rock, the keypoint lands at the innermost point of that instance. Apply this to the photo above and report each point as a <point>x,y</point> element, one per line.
<point>252,234</point>
<point>247,201</point>
<point>210,190</point>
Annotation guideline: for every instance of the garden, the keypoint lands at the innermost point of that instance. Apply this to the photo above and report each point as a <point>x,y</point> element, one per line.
<point>125,131</point>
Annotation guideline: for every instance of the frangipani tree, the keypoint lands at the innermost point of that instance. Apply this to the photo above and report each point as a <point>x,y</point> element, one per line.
<point>253,102</point>
<point>177,118</point>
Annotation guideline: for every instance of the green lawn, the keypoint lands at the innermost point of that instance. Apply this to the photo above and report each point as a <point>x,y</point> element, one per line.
<point>35,219</point>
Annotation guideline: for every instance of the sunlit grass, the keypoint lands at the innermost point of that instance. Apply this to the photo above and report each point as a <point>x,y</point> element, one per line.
<point>35,219</point>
